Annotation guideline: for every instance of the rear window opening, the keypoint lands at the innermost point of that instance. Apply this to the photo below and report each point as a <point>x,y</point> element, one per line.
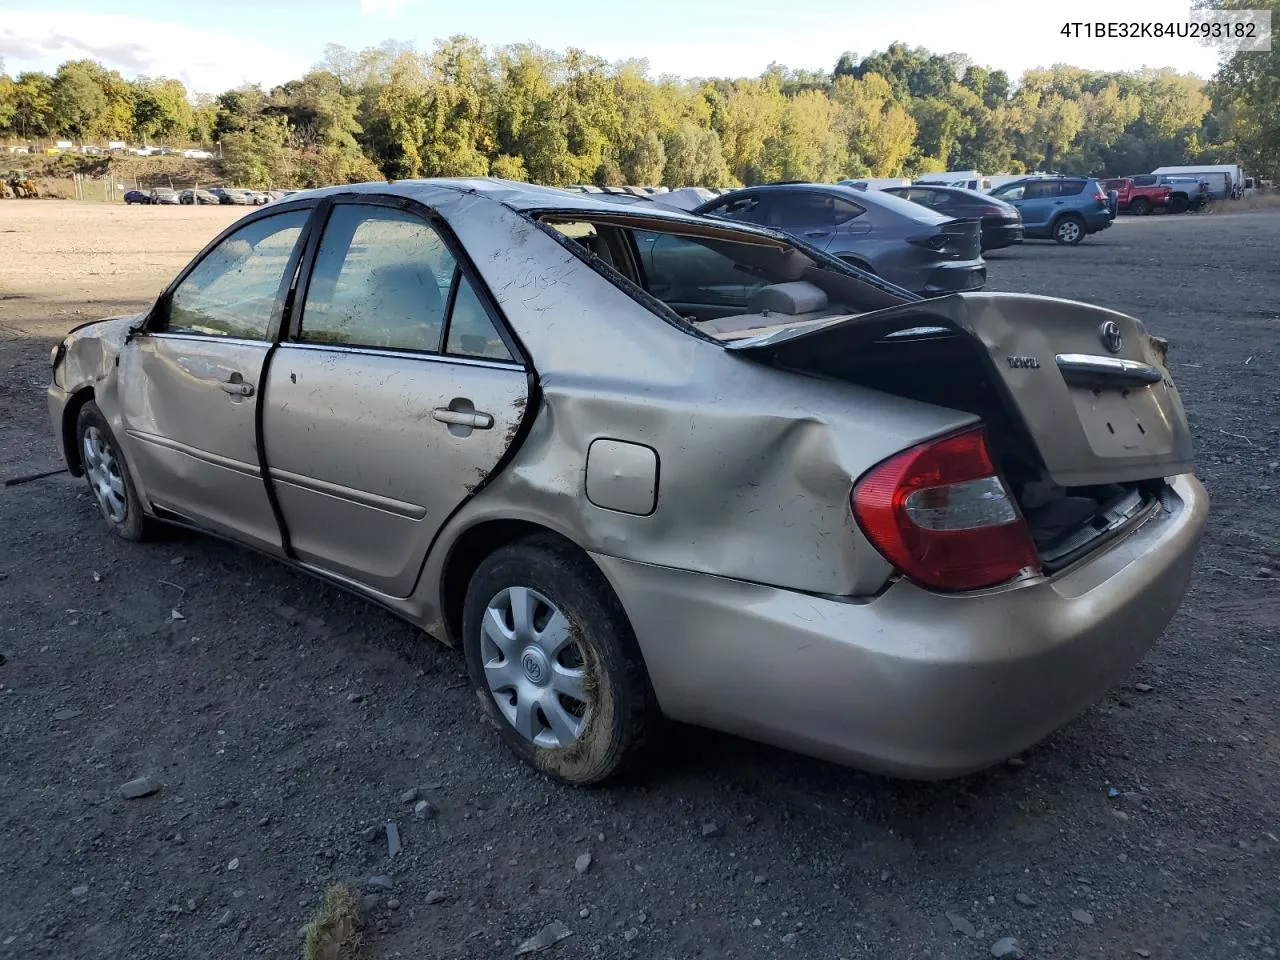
<point>728,285</point>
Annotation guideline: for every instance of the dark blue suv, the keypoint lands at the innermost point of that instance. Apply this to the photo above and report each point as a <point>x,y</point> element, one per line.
<point>1065,209</point>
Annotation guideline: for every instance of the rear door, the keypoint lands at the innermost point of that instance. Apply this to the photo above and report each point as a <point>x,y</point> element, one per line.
<point>395,395</point>
<point>191,382</point>
<point>1041,200</point>
<point>808,214</point>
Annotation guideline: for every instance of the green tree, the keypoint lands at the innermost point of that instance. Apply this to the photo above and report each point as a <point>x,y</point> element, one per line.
<point>8,102</point>
<point>161,110</point>
<point>256,157</point>
<point>33,105</point>
<point>79,103</point>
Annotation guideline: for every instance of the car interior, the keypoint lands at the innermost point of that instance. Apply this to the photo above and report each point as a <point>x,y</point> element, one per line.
<point>727,285</point>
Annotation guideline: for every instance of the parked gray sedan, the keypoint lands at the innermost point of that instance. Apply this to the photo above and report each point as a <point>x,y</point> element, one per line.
<point>916,248</point>
<point>639,463</point>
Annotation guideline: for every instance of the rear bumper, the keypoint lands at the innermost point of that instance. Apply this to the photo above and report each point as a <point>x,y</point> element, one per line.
<point>911,683</point>
<point>956,277</point>
<point>997,235</point>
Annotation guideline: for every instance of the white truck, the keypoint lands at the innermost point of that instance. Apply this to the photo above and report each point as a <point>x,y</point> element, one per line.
<point>1226,180</point>
<point>967,179</point>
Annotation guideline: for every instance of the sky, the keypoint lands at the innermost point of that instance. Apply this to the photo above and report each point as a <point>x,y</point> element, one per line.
<point>217,44</point>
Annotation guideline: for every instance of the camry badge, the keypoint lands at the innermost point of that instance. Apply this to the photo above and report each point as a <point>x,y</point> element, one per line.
<point>1023,363</point>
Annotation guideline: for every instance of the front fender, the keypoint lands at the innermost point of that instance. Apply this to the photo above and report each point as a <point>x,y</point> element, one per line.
<point>87,369</point>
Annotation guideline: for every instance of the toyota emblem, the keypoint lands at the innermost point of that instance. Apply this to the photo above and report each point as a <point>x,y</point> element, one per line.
<point>1109,334</point>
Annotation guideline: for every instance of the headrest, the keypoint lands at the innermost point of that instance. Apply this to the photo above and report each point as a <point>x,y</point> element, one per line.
<point>797,296</point>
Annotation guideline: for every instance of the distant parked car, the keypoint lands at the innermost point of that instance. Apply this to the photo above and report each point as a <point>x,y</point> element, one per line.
<point>197,197</point>
<point>1001,222</point>
<point>1138,200</point>
<point>234,195</point>
<point>1065,209</point>
<point>164,195</point>
<point>197,154</point>
<point>903,242</point>
<point>137,196</point>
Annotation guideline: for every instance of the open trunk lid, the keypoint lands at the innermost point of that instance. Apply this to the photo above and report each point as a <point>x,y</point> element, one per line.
<point>1086,387</point>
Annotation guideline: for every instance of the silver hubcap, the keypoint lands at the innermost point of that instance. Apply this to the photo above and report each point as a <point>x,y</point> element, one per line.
<point>534,667</point>
<point>103,470</point>
<point>1069,230</point>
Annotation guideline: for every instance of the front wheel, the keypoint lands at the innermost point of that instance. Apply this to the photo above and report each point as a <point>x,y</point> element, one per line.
<point>108,476</point>
<point>554,662</point>
<point>1140,207</point>
<point>1178,204</point>
<point>1069,231</point>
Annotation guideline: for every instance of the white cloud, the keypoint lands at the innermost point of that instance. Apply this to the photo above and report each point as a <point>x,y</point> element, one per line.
<point>205,59</point>
<point>386,8</point>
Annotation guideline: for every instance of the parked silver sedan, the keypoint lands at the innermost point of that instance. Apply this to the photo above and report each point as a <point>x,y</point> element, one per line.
<point>638,463</point>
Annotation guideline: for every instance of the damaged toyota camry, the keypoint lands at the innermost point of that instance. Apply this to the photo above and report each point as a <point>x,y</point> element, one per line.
<point>641,465</point>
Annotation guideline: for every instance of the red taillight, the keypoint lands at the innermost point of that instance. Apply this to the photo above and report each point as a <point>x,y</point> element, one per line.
<point>1100,196</point>
<point>940,514</point>
<point>933,241</point>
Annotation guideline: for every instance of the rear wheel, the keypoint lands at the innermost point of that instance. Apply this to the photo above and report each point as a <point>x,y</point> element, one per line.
<point>1140,207</point>
<point>1069,230</point>
<point>108,476</point>
<point>554,662</point>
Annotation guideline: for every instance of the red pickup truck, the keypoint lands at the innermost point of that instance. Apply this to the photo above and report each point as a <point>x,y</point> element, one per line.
<point>1137,200</point>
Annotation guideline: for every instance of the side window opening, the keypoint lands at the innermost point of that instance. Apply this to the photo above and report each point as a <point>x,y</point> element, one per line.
<point>385,278</point>
<point>233,291</point>
<point>471,330</point>
<point>381,279</point>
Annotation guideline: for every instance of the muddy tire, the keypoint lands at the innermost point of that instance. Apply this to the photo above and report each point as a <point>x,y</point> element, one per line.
<point>108,477</point>
<point>1140,207</point>
<point>554,662</point>
<point>1069,231</point>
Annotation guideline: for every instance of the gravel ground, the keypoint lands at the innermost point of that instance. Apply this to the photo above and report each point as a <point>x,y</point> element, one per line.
<point>284,721</point>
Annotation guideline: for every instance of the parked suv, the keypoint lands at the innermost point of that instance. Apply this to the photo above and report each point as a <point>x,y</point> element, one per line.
<point>1138,199</point>
<point>907,244</point>
<point>1065,209</point>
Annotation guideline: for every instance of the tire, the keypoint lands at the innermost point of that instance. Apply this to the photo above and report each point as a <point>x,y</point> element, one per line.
<point>1069,231</point>
<point>1140,207</point>
<point>578,741</point>
<point>1178,203</point>
<point>108,476</point>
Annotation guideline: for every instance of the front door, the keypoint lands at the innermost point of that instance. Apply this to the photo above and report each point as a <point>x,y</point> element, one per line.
<point>190,383</point>
<point>393,399</point>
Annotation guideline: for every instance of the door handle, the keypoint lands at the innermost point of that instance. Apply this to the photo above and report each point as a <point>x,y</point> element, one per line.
<point>462,418</point>
<point>816,233</point>
<point>236,386</point>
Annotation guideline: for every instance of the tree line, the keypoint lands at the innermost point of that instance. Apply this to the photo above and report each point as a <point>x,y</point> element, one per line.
<point>523,112</point>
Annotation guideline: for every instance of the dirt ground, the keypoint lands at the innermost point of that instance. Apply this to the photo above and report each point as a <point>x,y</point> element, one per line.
<point>284,718</point>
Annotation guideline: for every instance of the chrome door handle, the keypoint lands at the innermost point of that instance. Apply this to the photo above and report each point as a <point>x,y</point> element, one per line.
<point>236,386</point>
<point>460,418</point>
